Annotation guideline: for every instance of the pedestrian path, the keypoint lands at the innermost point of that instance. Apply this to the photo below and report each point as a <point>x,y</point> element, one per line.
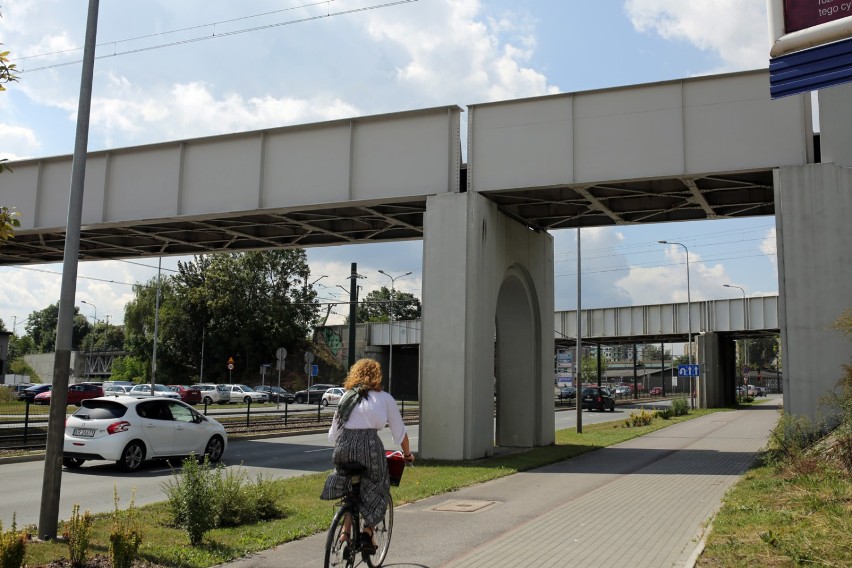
<point>641,503</point>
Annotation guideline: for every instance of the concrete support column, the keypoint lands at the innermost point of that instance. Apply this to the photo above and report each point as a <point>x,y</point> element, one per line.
<point>488,281</point>
<point>813,205</point>
<point>714,371</point>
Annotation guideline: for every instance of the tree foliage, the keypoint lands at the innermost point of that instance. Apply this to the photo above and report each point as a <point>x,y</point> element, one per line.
<point>385,305</point>
<point>41,327</point>
<point>243,305</point>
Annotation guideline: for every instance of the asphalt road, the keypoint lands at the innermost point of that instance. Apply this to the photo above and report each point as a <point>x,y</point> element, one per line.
<point>92,485</point>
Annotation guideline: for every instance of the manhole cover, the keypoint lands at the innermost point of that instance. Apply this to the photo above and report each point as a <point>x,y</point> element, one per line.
<point>462,506</point>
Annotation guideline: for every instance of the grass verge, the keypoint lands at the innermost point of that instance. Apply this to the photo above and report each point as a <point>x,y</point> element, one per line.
<point>306,514</point>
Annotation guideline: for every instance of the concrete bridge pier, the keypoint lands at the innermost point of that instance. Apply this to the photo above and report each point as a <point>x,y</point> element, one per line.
<point>718,381</point>
<point>488,282</point>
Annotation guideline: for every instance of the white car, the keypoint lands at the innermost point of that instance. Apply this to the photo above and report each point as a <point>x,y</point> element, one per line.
<point>117,390</point>
<point>211,393</point>
<point>159,390</point>
<point>332,396</point>
<point>129,430</point>
<point>247,394</point>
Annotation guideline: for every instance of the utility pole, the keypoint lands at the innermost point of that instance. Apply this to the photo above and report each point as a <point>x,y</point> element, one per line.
<point>353,311</point>
<point>52,480</point>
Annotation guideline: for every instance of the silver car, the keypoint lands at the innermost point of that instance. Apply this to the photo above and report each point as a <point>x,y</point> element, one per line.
<point>210,393</point>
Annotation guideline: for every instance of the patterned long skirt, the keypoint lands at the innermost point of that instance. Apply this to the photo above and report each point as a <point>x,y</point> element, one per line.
<point>364,447</point>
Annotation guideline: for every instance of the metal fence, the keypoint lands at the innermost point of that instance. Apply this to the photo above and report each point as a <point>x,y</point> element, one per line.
<point>24,425</point>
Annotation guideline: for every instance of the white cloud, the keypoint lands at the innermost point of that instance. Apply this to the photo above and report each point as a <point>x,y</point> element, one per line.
<point>768,246</point>
<point>726,27</point>
<point>457,55</point>
<point>18,142</point>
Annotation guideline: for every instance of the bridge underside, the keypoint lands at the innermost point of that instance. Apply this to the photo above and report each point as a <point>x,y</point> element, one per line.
<point>719,196</point>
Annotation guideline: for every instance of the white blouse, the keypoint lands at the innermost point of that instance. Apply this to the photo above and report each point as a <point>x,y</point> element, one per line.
<point>374,412</point>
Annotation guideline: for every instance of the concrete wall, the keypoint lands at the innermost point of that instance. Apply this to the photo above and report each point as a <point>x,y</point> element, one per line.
<point>42,364</point>
<point>482,268</point>
<point>813,213</point>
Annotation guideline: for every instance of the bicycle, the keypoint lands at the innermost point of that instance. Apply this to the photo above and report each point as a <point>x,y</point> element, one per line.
<point>345,542</point>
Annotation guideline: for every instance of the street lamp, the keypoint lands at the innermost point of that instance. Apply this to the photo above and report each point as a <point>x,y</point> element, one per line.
<point>391,328</point>
<point>91,347</point>
<point>688,317</point>
<point>745,320</point>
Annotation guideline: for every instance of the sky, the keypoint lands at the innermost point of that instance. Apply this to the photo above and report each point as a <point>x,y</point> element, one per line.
<point>170,70</point>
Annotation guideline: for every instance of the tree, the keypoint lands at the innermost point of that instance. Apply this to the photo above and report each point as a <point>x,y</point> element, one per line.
<point>41,327</point>
<point>243,305</point>
<point>589,368</point>
<point>381,306</point>
<point>9,218</point>
<point>8,74</point>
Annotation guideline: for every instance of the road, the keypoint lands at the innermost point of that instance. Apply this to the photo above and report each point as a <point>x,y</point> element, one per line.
<point>92,485</point>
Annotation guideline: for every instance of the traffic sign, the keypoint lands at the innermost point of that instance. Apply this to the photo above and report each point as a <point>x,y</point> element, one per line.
<point>230,366</point>
<point>688,370</point>
<point>281,354</point>
<point>309,357</point>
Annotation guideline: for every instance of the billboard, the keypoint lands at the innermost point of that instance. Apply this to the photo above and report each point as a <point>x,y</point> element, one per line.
<point>802,14</point>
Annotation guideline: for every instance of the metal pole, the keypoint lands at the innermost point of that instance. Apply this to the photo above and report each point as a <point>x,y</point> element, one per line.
<point>745,323</point>
<point>52,480</point>
<point>578,361</point>
<point>391,326</point>
<point>156,327</point>
<point>353,311</point>
<point>688,320</point>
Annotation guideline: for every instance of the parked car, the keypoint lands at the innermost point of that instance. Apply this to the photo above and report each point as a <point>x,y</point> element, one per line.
<point>117,390</point>
<point>159,390</point>
<point>759,391</point>
<point>247,394</point>
<point>332,396</point>
<point>622,390</point>
<point>130,430</point>
<point>76,394</point>
<point>277,394</point>
<point>29,393</point>
<point>313,394</point>
<point>188,393</point>
<point>567,393</point>
<point>656,391</point>
<point>108,384</point>
<point>597,398</point>
<point>210,393</point>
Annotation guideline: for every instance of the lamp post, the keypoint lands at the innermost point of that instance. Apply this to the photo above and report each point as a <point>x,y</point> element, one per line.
<point>688,317</point>
<point>745,320</point>
<point>91,346</point>
<point>390,342</point>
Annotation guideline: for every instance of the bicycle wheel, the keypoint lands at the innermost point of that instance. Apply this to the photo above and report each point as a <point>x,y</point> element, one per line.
<point>338,553</point>
<point>382,534</point>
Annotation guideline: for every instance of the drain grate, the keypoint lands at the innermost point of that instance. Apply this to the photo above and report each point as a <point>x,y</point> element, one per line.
<point>463,506</point>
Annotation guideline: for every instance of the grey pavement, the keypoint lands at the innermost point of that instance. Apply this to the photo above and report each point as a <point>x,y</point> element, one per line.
<point>643,503</point>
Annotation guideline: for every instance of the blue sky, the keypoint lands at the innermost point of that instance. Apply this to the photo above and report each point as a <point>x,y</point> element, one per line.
<point>313,61</point>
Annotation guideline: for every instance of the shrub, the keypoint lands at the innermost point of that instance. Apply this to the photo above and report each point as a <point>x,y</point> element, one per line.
<point>642,418</point>
<point>194,497</point>
<point>680,407</point>
<point>125,535</point>
<point>78,535</point>
<point>13,546</point>
<point>244,503</point>
<point>665,413</point>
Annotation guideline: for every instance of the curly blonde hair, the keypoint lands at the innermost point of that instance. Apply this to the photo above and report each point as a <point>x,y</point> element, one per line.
<point>366,372</point>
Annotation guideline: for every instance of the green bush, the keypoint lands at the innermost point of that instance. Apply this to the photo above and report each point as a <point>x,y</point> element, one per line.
<point>78,535</point>
<point>194,498</point>
<point>125,536</point>
<point>13,546</point>
<point>680,407</point>
<point>245,503</point>
<point>666,413</point>
<point>642,418</point>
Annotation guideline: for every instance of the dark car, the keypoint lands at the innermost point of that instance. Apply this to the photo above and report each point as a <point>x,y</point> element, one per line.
<point>656,391</point>
<point>313,394</point>
<point>188,394</point>
<point>567,393</point>
<point>30,393</point>
<point>597,398</point>
<point>276,394</point>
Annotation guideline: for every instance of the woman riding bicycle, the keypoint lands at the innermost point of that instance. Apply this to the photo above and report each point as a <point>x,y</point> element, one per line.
<point>364,410</point>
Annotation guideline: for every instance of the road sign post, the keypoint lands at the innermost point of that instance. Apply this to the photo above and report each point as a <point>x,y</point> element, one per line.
<point>309,358</point>
<point>230,369</point>
<point>281,357</point>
